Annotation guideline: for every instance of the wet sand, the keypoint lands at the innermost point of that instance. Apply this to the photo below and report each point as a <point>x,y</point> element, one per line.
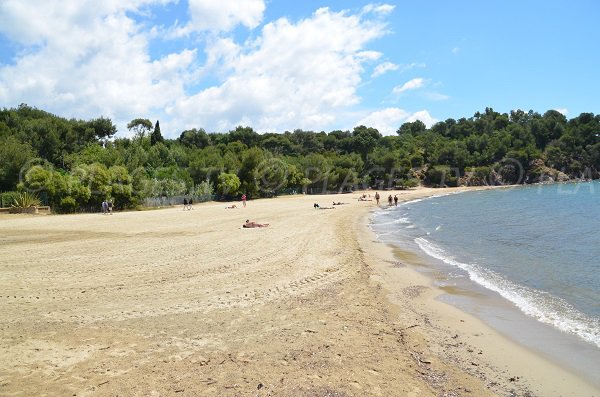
<point>188,303</point>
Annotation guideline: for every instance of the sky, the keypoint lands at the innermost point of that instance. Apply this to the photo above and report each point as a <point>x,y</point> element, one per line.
<point>281,65</point>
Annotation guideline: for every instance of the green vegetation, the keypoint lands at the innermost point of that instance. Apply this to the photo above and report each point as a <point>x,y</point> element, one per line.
<point>76,164</point>
<point>26,200</point>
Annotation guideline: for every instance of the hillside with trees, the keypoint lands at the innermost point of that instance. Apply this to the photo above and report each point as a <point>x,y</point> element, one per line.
<point>75,164</point>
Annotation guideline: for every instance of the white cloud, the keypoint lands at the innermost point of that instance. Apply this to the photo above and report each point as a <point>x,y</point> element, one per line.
<point>382,9</point>
<point>224,15</point>
<point>436,96</point>
<point>424,116</point>
<point>383,68</point>
<point>563,111</point>
<point>89,59</point>
<point>456,50</point>
<point>295,75</point>
<point>388,120</point>
<point>409,85</point>
<point>414,65</point>
<point>36,21</point>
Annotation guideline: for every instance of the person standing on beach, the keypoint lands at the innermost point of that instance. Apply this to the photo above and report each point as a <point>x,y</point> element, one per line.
<point>377,197</point>
<point>104,207</point>
<point>390,200</point>
<point>185,203</point>
<point>244,200</point>
<point>395,200</point>
<point>110,207</point>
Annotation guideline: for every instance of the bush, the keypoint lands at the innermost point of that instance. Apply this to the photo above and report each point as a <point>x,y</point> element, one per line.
<point>202,192</point>
<point>409,183</point>
<point>7,199</point>
<point>229,184</point>
<point>479,176</point>
<point>440,176</point>
<point>26,200</point>
<point>68,204</point>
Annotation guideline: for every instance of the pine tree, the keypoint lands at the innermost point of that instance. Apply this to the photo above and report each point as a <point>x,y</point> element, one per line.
<point>156,136</point>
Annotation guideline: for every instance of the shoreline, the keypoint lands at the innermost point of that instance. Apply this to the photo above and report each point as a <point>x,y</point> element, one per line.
<point>188,302</point>
<point>463,338</point>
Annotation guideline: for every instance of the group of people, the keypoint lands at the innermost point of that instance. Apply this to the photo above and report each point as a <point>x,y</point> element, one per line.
<point>107,207</point>
<point>318,207</point>
<point>187,204</point>
<point>364,197</point>
<point>391,200</point>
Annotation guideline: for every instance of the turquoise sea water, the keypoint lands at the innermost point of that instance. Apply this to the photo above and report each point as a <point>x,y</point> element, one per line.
<point>532,255</point>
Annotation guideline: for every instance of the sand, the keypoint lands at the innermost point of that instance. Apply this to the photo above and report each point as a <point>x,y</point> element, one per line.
<point>187,303</point>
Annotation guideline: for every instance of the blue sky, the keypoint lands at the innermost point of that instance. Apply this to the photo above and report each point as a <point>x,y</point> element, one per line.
<point>278,65</point>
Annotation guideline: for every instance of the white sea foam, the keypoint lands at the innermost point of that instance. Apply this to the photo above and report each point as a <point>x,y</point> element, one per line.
<point>538,304</point>
<point>405,203</point>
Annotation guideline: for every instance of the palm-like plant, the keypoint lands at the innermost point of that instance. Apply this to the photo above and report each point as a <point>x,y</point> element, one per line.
<point>26,200</point>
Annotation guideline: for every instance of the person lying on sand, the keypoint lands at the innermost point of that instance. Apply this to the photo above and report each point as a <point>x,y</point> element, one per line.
<point>318,207</point>
<point>231,207</point>
<point>364,199</point>
<point>339,203</point>
<point>252,224</point>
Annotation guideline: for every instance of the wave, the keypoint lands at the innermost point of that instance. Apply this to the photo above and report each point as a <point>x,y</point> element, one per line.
<point>540,305</point>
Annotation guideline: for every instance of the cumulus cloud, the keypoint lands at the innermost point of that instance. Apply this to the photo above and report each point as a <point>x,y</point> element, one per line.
<point>387,121</point>
<point>224,15</point>
<point>413,65</point>
<point>381,9</point>
<point>295,74</point>
<point>91,59</point>
<point>424,116</point>
<point>383,68</point>
<point>563,111</point>
<point>409,85</point>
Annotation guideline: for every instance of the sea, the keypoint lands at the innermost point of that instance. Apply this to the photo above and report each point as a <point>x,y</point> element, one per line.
<point>526,260</point>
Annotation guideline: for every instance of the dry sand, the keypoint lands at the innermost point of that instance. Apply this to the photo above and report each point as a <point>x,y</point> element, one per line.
<point>187,303</point>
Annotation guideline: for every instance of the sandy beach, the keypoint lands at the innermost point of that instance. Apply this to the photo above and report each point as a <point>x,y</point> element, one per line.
<point>188,303</point>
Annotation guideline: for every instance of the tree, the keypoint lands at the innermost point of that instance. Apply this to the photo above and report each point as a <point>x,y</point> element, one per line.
<point>228,184</point>
<point>194,138</point>
<point>140,127</point>
<point>120,184</point>
<point>365,139</point>
<point>156,136</point>
<point>271,175</point>
<point>251,160</point>
<point>246,135</point>
<point>14,155</point>
<point>412,128</point>
<point>97,178</point>
<point>202,192</point>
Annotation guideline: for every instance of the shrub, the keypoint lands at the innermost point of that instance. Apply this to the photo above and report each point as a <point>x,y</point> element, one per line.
<point>26,200</point>
<point>229,184</point>
<point>440,176</point>
<point>68,204</point>
<point>7,199</point>
<point>202,192</point>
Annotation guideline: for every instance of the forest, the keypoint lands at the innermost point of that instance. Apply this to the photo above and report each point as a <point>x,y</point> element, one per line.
<point>74,165</point>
